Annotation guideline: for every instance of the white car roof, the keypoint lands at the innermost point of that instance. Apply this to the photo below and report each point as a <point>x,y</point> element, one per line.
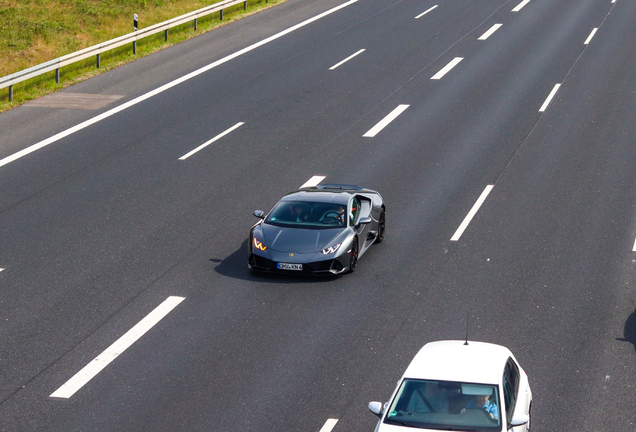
<point>477,362</point>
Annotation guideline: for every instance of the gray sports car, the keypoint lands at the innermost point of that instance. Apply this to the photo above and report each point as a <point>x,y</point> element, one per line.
<point>319,230</point>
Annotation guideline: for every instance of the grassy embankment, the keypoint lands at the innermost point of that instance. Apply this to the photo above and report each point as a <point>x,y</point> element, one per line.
<point>36,31</point>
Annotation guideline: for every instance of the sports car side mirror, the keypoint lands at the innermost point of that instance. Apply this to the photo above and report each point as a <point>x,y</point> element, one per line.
<point>518,420</point>
<point>376,408</point>
<point>364,221</point>
<point>259,214</point>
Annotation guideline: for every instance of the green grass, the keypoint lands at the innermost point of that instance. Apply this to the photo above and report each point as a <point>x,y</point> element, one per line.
<point>35,31</point>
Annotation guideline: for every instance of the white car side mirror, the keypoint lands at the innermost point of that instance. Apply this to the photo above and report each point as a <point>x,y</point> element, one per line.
<point>376,408</point>
<point>519,420</point>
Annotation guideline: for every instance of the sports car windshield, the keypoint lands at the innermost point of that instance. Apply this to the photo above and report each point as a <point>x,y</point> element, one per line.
<point>308,215</point>
<point>445,405</point>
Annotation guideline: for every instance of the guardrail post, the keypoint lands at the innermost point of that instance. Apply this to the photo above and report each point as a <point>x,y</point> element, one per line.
<point>165,35</point>
<point>244,5</point>
<point>221,15</point>
<point>195,24</point>
<point>11,93</point>
<point>57,75</point>
<point>98,60</point>
<point>135,27</point>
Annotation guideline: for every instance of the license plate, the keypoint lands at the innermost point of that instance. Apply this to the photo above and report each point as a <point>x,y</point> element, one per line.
<point>286,266</point>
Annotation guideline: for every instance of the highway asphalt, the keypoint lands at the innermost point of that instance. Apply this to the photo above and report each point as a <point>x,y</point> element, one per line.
<point>102,225</point>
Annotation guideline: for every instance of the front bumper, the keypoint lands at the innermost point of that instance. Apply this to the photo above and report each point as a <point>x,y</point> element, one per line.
<point>332,266</point>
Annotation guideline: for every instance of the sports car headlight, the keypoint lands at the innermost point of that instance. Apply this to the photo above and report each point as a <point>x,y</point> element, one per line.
<point>330,249</point>
<point>259,245</point>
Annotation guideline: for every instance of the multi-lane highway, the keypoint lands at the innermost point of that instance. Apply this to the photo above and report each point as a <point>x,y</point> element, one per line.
<point>500,134</point>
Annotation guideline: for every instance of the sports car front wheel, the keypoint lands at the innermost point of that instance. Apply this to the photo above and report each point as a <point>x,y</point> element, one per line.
<point>381,224</point>
<point>353,258</point>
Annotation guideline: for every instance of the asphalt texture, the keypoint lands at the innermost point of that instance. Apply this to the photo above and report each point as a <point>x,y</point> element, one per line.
<point>100,227</point>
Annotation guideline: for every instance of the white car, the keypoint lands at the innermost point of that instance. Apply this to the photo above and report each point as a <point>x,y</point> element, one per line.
<point>458,386</point>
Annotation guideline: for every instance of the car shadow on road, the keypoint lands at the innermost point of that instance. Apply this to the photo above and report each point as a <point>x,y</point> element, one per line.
<point>235,266</point>
<point>629,331</point>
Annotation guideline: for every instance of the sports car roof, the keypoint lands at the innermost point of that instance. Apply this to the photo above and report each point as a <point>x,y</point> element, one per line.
<point>333,193</point>
<point>317,195</point>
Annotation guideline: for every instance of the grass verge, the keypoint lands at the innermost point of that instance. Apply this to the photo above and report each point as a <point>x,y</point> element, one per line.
<point>59,27</point>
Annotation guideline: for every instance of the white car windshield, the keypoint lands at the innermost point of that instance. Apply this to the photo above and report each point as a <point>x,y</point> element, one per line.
<point>308,215</point>
<point>445,405</point>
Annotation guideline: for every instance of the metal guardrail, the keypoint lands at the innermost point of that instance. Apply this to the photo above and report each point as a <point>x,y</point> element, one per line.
<point>96,50</point>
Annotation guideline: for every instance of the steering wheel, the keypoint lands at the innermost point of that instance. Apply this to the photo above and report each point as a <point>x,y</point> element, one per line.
<point>330,217</point>
<point>484,412</point>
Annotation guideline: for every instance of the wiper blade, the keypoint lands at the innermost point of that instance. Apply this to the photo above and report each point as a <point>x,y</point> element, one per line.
<point>462,429</point>
<point>408,424</point>
<point>397,421</point>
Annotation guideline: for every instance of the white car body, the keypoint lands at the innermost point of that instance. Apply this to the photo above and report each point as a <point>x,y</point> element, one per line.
<point>470,365</point>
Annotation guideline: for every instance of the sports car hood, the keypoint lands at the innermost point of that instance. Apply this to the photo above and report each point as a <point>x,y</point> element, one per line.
<point>298,240</point>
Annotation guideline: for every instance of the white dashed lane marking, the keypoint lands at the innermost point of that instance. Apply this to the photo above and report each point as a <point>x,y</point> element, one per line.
<point>347,59</point>
<point>454,62</point>
<point>589,38</point>
<point>207,143</point>
<point>473,211</point>
<point>329,425</point>
<point>385,121</point>
<point>490,32</point>
<point>520,5</point>
<point>312,182</point>
<point>549,98</point>
<point>425,12</point>
<point>111,353</point>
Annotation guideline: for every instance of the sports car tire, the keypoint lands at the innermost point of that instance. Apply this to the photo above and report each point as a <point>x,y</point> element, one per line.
<point>353,259</point>
<point>381,226</point>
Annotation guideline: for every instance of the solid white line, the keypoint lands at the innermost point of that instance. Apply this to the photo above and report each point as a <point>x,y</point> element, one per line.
<point>425,12</point>
<point>471,213</point>
<point>101,361</point>
<point>634,249</point>
<point>1,269</point>
<point>346,60</point>
<point>589,38</point>
<point>549,98</point>
<point>165,87</point>
<point>314,181</point>
<point>329,425</point>
<point>490,32</point>
<point>207,143</point>
<point>385,121</point>
<point>521,5</point>
<point>454,62</point>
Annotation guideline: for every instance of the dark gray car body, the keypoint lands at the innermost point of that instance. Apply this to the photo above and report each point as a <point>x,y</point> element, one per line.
<point>364,226</point>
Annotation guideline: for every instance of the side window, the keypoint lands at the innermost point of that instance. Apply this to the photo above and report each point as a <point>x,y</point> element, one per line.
<point>508,399</point>
<point>514,375</point>
<point>355,210</point>
<point>510,387</point>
